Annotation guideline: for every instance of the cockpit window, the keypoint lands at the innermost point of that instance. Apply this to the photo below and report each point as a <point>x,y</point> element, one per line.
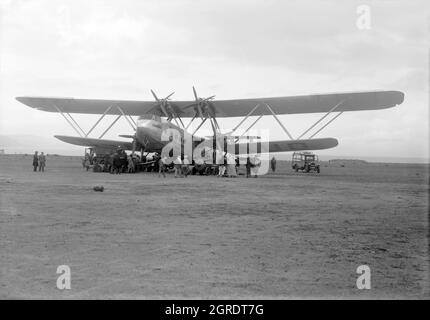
<point>150,117</point>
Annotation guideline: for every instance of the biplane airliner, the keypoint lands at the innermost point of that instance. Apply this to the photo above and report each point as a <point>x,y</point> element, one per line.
<point>153,117</point>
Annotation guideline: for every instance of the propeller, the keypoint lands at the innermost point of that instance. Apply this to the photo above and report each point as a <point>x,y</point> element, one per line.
<point>202,106</point>
<point>164,105</point>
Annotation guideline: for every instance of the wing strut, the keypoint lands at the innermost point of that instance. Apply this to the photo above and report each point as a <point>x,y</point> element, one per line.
<point>255,122</point>
<point>251,113</point>
<point>279,121</point>
<point>98,121</point>
<point>246,131</point>
<point>203,121</point>
<point>111,125</point>
<point>246,117</point>
<point>71,124</point>
<point>191,121</point>
<point>334,118</point>
<point>321,119</point>
<point>132,124</point>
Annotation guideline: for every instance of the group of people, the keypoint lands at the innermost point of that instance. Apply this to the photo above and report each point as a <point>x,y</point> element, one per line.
<point>253,166</point>
<point>115,163</point>
<point>228,165</point>
<point>39,161</point>
<point>181,167</point>
<point>119,162</point>
<point>227,168</point>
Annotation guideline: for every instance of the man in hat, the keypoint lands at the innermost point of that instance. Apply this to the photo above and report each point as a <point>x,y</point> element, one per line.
<point>42,162</point>
<point>35,161</point>
<point>273,164</point>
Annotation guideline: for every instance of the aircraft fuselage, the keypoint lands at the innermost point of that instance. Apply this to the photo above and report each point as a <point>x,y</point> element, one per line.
<point>149,132</point>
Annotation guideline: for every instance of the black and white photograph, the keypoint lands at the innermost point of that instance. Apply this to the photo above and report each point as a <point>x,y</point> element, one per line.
<point>214,150</point>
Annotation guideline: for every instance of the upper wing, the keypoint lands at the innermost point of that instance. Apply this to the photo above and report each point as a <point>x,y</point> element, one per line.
<point>98,143</point>
<point>317,103</point>
<point>353,101</point>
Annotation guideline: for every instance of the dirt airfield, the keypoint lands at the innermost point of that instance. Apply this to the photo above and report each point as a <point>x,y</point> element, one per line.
<point>283,235</point>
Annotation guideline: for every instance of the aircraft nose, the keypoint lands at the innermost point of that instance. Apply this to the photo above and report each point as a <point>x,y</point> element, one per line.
<point>141,123</point>
<point>147,128</point>
<point>143,126</point>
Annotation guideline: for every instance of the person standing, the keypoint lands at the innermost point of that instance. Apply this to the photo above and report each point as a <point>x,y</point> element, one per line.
<point>248,167</point>
<point>273,164</point>
<point>186,166</point>
<point>256,163</point>
<point>42,162</point>
<point>111,161</point>
<point>35,161</point>
<point>116,163</point>
<point>162,167</point>
<point>124,161</point>
<point>221,170</point>
<point>231,166</point>
<point>87,163</point>
<point>223,165</point>
<point>106,161</point>
<point>178,167</point>
<point>131,167</point>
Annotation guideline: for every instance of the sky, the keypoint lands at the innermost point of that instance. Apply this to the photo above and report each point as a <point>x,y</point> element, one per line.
<point>231,49</point>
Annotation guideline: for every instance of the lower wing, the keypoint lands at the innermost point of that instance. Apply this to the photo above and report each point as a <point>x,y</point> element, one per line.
<point>97,143</point>
<point>286,145</point>
<point>240,148</point>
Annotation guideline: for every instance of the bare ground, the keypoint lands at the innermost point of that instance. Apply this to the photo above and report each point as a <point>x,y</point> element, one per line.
<point>284,235</point>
